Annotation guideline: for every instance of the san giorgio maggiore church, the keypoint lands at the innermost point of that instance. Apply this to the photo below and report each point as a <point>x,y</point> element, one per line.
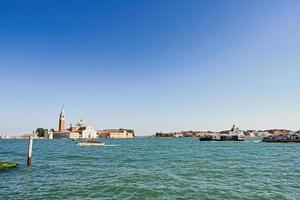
<point>80,130</point>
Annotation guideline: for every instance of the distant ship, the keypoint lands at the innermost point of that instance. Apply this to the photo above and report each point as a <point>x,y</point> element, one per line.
<point>206,138</point>
<point>282,138</point>
<point>234,134</point>
<point>222,138</point>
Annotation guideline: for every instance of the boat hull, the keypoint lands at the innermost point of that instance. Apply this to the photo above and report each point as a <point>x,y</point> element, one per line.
<point>86,144</point>
<point>229,138</point>
<point>281,140</point>
<point>206,138</point>
<point>222,138</point>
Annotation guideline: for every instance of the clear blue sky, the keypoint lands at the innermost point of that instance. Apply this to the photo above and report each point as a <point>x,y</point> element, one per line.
<point>150,65</point>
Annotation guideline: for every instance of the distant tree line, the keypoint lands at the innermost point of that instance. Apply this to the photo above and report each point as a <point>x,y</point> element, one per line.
<point>41,131</point>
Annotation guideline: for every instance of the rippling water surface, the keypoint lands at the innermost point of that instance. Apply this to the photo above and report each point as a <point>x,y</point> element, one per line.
<point>168,168</point>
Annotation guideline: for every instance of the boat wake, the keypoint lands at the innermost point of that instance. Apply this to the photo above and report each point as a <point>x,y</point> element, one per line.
<point>112,145</point>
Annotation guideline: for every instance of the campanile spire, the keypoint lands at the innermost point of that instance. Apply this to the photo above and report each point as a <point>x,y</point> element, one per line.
<point>61,125</point>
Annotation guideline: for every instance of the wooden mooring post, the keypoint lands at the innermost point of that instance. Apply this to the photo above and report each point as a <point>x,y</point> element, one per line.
<point>29,156</point>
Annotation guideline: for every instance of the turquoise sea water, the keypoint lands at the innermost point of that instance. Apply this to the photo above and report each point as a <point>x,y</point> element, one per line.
<point>168,168</point>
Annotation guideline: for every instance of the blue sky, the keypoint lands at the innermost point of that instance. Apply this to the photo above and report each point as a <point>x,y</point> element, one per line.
<point>150,65</point>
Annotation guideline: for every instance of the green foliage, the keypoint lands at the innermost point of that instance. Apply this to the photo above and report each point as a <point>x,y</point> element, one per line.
<point>130,131</point>
<point>40,132</point>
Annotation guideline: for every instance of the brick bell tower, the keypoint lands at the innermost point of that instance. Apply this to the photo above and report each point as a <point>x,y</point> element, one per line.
<point>61,126</point>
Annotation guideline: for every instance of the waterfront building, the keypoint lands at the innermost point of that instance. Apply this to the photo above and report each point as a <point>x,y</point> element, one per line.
<point>182,134</point>
<point>164,134</point>
<point>80,130</point>
<point>48,134</point>
<point>195,133</point>
<point>116,133</point>
<point>178,135</point>
<point>187,133</point>
<point>251,133</point>
<point>86,130</point>
<point>27,135</point>
<point>6,136</point>
<point>278,131</point>
<point>234,131</point>
<point>263,133</point>
<point>66,135</point>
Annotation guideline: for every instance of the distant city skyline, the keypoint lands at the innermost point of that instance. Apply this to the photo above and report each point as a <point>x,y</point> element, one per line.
<point>150,66</point>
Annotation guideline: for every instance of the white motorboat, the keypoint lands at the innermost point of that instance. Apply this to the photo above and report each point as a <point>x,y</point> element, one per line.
<point>90,143</point>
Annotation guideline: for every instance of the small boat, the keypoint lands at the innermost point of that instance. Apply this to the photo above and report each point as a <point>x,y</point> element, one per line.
<point>283,138</point>
<point>222,138</point>
<point>231,138</point>
<point>234,134</point>
<point>206,138</point>
<point>90,143</point>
